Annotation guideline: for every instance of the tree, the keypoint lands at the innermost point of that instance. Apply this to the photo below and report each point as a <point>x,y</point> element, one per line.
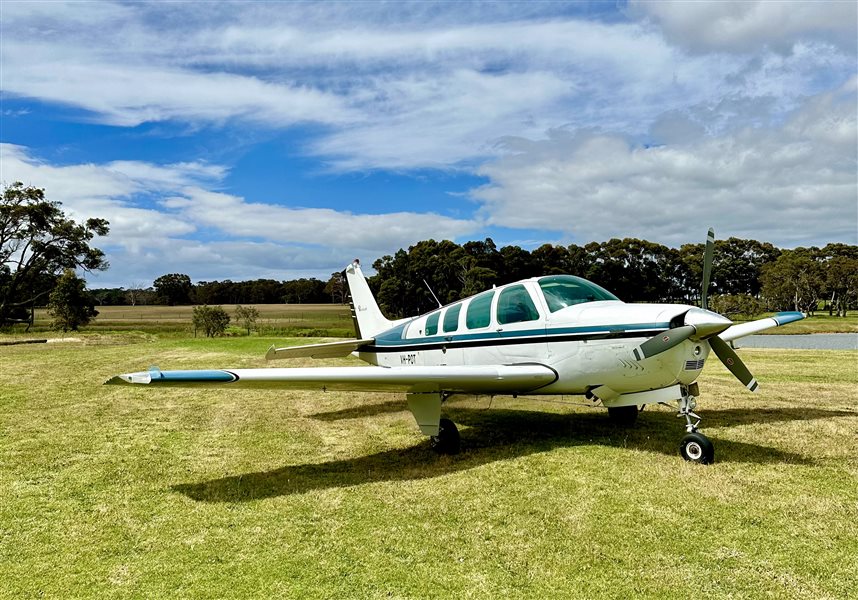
<point>794,281</point>
<point>304,291</point>
<point>211,320</point>
<point>841,278</point>
<point>70,305</point>
<point>246,315</point>
<point>336,287</point>
<point>173,289</point>
<point>732,305</point>
<point>37,243</point>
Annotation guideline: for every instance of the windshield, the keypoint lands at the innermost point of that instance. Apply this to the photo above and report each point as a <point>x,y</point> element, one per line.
<point>561,291</point>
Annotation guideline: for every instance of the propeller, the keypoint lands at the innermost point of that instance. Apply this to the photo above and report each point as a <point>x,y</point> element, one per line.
<point>732,361</point>
<point>667,340</point>
<point>703,324</point>
<point>707,267</point>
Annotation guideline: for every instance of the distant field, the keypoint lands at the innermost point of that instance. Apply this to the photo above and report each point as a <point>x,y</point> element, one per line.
<point>287,319</point>
<point>121,492</point>
<point>333,320</point>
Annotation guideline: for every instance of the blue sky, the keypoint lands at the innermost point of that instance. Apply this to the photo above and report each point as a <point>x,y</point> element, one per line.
<point>284,139</point>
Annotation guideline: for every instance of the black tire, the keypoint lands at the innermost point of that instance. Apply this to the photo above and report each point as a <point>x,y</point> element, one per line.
<point>624,416</point>
<point>696,448</point>
<point>447,441</point>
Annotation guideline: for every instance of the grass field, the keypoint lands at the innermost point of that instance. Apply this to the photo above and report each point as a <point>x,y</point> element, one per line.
<point>126,492</point>
<point>274,319</point>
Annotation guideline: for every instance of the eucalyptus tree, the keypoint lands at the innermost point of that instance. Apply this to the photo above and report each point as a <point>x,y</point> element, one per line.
<point>37,243</point>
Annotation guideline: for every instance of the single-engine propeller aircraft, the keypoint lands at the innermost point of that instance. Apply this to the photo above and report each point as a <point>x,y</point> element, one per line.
<point>559,335</point>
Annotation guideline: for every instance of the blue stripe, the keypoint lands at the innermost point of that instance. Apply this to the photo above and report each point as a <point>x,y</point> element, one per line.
<point>782,318</point>
<point>387,340</point>
<point>193,376</point>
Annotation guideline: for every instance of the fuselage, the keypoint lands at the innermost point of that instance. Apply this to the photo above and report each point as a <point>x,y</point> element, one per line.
<point>567,323</point>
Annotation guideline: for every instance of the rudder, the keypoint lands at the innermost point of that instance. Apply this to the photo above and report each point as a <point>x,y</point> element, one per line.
<point>367,316</point>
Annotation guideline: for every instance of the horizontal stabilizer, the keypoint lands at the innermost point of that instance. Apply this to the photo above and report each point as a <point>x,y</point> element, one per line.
<point>327,350</point>
<point>742,329</point>
<point>490,379</point>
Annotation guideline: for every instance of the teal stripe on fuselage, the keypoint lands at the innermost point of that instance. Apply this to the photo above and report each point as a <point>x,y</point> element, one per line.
<point>392,338</point>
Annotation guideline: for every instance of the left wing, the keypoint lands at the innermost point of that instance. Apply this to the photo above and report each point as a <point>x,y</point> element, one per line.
<point>490,379</point>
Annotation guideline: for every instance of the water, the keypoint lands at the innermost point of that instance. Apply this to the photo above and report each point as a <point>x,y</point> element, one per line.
<point>810,341</point>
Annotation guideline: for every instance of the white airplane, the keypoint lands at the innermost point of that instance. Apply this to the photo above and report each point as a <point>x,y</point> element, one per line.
<point>554,335</point>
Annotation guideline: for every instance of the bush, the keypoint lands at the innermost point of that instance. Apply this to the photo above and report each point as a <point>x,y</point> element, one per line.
<point>212,320</point>
<point>732,305</point>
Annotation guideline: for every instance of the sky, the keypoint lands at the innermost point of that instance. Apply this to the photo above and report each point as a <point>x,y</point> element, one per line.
<point>284,139</point>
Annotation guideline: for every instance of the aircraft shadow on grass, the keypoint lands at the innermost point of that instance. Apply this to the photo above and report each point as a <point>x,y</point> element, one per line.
<point>495,435</point>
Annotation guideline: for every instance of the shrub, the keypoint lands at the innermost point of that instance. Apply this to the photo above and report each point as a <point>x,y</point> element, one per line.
<point>212,320</point>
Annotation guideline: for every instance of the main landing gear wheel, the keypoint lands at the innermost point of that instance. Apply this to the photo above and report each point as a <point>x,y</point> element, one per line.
<point>696,447</point>
<point>624,416</point>
<point>447,440</point>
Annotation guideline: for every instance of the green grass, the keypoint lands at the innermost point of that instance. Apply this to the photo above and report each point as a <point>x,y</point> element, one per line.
<point>125,492</point>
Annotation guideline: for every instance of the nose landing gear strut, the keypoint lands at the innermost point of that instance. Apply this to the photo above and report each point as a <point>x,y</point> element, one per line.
<point>694,447</point>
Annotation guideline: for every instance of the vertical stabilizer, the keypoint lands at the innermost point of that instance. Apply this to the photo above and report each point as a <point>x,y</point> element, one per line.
<point>365,311</point>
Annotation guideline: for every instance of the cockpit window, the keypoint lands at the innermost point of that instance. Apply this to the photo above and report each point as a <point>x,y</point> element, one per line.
<point>561,291</point>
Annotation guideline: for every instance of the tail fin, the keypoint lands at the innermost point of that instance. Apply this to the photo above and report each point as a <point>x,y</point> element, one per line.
<point>365,311</point>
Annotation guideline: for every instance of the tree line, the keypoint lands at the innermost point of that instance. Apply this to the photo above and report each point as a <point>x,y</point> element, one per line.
<point>748,276</point>
<point>177,289</point>
<point>41,251</point>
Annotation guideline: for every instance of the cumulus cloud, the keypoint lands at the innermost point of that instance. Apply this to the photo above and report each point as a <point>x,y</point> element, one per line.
<point>746,25</point>
<point>796,183</point>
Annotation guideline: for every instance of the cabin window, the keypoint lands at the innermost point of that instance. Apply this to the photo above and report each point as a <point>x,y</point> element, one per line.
<point>479,312</point>
<point>451,318</point>
<point>432,323</point>
<point>516,306</point>
<point>561,291</point>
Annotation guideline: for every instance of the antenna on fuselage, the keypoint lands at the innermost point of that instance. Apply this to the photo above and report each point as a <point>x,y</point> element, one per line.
<point>429,287</point>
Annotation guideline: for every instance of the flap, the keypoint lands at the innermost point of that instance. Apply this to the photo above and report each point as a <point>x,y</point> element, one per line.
<point>326,350</point>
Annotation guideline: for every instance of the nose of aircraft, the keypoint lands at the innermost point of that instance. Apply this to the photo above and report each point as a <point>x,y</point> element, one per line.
<point>706,323</point>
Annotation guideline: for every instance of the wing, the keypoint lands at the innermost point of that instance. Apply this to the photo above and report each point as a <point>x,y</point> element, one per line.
<point>742,329</point>
<point>328,350</point>
<point>490,379</point>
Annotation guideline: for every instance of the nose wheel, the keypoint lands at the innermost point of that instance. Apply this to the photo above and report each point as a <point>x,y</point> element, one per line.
<point>694,447</point>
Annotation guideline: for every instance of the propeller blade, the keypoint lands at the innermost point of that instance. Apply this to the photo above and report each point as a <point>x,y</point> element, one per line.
<point>732,361</point>
<point>707,267</point>
<point>664,341</point>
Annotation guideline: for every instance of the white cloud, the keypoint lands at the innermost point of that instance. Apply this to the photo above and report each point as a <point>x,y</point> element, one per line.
<point>748,25</point>
<point>430,85</point>
<point>791,185</point>
<point>157,211</point>
<point>379,233</point>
